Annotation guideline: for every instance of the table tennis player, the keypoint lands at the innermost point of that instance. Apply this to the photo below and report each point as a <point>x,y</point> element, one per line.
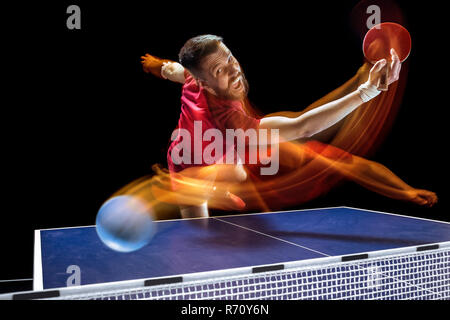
<point>214,92</point>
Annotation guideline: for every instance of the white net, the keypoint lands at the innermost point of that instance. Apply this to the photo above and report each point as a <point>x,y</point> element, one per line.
<point>418,275</point>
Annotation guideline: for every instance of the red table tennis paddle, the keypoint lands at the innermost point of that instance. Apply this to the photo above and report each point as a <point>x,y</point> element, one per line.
<point>378,42</point>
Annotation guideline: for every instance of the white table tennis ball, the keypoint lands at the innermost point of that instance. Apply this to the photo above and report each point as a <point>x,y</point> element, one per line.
<point>125,223</point>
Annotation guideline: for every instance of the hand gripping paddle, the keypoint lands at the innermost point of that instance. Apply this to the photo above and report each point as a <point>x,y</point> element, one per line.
<point>378,42</point>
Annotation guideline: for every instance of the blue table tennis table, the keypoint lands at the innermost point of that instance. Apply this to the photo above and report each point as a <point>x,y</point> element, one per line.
<point>256,244</point>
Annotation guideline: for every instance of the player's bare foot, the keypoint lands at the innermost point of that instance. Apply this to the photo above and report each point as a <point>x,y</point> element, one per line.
<point>422,197</point>
<point>238,203</point>
<point>225,200</point>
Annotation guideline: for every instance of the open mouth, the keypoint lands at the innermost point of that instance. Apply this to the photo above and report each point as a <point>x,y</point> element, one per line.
<point>237,82</point>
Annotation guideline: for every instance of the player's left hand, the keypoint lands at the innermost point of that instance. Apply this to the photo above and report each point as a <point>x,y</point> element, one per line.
<point>152,64</point>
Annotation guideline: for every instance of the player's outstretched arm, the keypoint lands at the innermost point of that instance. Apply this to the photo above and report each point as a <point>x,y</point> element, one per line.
<point>323,117</point>
<point>163,68</point>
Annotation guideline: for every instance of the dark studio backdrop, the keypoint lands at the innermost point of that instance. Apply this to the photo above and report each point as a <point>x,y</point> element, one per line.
<point>81,119</point>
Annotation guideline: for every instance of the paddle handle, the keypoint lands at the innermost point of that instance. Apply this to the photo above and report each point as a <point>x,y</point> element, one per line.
<point>383,81</point>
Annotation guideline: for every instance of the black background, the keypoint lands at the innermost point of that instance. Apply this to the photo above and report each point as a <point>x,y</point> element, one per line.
<point>81,119</point>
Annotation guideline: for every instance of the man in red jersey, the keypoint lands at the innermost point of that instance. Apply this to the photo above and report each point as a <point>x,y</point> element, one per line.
<point>213,97</point>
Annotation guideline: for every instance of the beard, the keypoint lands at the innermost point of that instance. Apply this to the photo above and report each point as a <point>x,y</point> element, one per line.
<point>230,94</point>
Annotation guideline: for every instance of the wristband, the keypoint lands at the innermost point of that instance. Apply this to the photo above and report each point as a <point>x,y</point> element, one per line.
<point>368,91</point>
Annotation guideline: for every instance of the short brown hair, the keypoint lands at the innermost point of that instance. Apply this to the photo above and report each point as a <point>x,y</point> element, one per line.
<point>195,49</point>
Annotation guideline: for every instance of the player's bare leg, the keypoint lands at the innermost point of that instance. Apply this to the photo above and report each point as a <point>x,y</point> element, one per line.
<point>372,175</point>
<point>200,211</point>
<point>211,174</point>
<point>378,178</point>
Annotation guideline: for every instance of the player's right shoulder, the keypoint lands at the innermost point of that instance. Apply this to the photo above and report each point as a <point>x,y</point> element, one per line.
<point>188,76</point>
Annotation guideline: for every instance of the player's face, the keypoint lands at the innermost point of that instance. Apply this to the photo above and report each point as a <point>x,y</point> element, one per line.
<point>222,73</point>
